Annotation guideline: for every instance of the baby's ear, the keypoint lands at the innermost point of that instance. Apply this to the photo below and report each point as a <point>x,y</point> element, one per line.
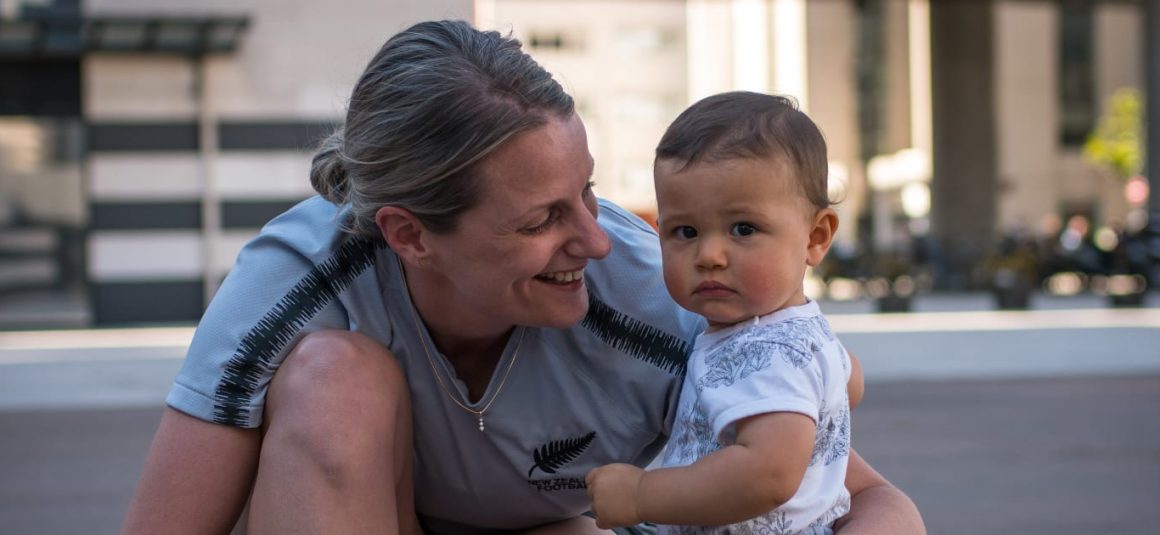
<point>821,235</point>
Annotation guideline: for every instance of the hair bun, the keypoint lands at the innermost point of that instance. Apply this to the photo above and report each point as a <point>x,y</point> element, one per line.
<point>327,170</point>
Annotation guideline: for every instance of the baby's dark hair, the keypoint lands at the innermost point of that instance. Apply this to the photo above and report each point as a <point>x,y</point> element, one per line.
<point>745,125</point>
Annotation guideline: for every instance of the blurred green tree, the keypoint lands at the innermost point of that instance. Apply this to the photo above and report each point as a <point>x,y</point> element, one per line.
<point>1118,141</point>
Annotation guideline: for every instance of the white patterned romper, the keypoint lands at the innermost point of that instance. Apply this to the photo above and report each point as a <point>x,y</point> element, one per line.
<point>787,361</point>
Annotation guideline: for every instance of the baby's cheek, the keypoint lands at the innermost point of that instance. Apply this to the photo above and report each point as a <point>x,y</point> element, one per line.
<point>767,283</point>
<point>674,282</point>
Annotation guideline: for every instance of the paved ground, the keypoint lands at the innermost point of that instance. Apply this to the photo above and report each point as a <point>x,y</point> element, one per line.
<point>1055,456</point>
<point>1029,422</point>
<point>70,472</point>
<point>1050,456</point>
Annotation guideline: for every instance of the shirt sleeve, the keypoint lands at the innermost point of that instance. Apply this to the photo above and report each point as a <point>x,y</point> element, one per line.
<point>631,310</point>
<point>278,290</point>
<point>758,377</point>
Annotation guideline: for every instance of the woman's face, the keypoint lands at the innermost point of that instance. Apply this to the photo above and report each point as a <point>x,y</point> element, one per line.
<point>518,256</point>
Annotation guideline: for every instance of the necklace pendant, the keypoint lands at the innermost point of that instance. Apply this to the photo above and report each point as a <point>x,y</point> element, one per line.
<point>480,423</point>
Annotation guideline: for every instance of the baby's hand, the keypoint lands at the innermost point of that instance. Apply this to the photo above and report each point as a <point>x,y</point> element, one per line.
<point>612,488</point>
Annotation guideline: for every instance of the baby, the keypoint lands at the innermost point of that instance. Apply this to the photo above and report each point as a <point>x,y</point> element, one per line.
<point>762,437</point>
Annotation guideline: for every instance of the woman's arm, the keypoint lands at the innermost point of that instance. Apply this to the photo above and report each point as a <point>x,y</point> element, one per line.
<point>856,386</point>
<point>196,479</point>
<point>876,507</point>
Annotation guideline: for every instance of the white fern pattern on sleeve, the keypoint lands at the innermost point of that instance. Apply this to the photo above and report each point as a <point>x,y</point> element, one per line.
<point>750,350</point>
<point>840,443</point>
<point>736,360</point>
<point>832,438</point>
<point>693,437</point>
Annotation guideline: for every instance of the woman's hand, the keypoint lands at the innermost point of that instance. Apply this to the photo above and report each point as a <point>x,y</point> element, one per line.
<point>613,490</point>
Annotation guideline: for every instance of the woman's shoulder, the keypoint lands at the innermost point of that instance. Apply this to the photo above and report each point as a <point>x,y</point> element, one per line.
<point>305,220</point>
<point>304,251</point>
<point>634,243</point>
<point>627,288</point>
<point>615,218</point>
<point>312,228</point>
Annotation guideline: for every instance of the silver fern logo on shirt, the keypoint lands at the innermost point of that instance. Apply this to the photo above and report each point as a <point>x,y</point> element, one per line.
<point>549,458</point>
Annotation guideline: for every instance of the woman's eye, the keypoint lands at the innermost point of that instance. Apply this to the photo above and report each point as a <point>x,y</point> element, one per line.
<point>540,227</point>
<point>743,229</point>
<point>685,232</point>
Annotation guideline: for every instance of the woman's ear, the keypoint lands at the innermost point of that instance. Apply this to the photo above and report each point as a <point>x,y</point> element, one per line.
<point>403,232</point>
<point>821,236</point>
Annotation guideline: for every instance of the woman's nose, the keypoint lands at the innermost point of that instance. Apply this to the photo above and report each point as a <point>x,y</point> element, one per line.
<point>590,241</point>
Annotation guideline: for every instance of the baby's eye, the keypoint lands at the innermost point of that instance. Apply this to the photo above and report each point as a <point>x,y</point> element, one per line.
<point>685,232</point>
<point>742,229</point>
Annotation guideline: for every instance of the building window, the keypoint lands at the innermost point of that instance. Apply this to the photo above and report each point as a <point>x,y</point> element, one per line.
<point>554,41</point>
<point>1076,77</point>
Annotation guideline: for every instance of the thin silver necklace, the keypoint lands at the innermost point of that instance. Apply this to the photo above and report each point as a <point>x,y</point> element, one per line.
<point>439,376</point>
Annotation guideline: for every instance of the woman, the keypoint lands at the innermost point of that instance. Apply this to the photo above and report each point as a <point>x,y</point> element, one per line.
<point>448,330</point>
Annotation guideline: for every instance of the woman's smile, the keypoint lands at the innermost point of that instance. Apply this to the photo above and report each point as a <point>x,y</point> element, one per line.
<point>562,278</point>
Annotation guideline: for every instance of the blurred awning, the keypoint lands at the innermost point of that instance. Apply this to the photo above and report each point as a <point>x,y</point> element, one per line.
<point>71,36</point>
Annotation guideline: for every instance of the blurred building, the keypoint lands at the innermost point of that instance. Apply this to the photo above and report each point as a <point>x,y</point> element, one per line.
<point>142,143</point>
<point>950,122</point>
<point>626,64</point>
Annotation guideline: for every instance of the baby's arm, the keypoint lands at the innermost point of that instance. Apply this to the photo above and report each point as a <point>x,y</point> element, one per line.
<point>756,474</point>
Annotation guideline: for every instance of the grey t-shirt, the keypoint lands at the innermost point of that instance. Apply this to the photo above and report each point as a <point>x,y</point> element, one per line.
<point>602,391</point>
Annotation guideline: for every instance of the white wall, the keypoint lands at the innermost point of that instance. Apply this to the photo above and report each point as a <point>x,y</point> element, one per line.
<point>1026,108</point>
<point>626,68</point>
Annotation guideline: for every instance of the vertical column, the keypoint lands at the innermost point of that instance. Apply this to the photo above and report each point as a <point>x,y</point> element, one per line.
<point>750,45</point>
<point>964,184</point>
<point>789,48</point>
<point>831,37</point>
<point>918,40</point>
<point>484,14</point>
<point>710,69</point>
<point>211,221</point>
<point>1152,125</point>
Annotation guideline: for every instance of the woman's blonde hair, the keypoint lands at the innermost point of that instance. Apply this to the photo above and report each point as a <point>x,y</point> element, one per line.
<point>435,100</point>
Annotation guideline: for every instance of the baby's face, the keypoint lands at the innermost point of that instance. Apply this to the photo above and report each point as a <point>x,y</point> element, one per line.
<point>735,237</point>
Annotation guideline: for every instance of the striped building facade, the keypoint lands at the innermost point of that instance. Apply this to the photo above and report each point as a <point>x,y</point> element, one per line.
<point>187,156</point>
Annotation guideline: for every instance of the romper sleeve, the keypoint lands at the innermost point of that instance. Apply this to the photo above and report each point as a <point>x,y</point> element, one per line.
<point>752,376</point>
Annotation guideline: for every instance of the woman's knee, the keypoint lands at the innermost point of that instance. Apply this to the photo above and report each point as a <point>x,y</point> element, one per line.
<point>338,395</point>
<point>352,362</point>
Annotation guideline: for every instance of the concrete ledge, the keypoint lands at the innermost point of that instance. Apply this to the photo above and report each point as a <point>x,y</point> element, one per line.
<point>124,368</point>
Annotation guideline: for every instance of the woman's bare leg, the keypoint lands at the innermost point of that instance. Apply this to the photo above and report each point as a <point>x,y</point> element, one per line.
<point>336,452</point>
